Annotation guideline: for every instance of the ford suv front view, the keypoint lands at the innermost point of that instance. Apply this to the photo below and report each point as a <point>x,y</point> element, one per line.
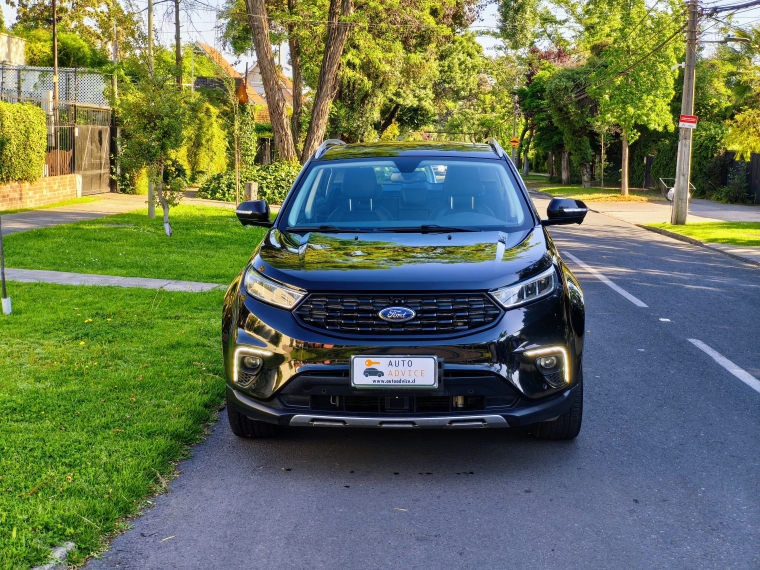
<point>406,285</point>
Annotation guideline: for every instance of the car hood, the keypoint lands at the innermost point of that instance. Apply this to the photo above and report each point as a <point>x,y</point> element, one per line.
<point>475,261</point>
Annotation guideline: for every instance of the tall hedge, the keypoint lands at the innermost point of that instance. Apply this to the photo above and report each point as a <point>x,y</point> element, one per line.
<point>23,142</point>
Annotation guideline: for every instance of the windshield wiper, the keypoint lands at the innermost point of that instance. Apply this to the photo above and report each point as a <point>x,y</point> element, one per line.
<point>432,228</point>
<point>329,229</point>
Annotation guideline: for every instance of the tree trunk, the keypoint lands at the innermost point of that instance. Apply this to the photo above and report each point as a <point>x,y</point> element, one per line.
<point>565,167</point>
<point>526,163</point>
<point>388,121</point>
<point>296,66</point>
<point>278,116</point>
<point>164,205</point>
<point>586,175</point>
<point>624,169</point>
<point>550,163</point>
<point>337,32</point>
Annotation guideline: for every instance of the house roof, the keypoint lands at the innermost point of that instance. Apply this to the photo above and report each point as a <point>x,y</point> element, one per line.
<point>253,97</point>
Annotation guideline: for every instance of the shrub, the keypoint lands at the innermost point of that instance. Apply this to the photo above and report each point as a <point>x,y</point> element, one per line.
<point>23,142</point>
<point>206,144</point>
<point>737,190</point>
<point>275,181</point>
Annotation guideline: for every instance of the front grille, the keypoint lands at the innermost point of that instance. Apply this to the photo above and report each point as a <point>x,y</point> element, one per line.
<point>440,313</point>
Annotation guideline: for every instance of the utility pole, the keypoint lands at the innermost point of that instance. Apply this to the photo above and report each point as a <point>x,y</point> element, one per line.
<point>55,62</point>
<point>151,194</point>
<point>514,126</point>
<point>683,165</point>
<point>177,44</point>
<point>6,301</point>
<point>55,87</point>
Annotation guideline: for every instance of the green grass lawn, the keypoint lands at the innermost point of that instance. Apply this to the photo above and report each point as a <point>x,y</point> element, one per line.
<point>536,178</point>
<point>603,194</point>
<point>101,389</point>
<point>209,244</point>
<point>732,233</point>
<point>71,202</point>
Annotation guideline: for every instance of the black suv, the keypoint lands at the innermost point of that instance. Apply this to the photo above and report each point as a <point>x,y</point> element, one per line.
<point>406,285</point>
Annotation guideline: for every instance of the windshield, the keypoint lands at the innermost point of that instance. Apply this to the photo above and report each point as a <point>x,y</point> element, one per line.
<point>402,195</point>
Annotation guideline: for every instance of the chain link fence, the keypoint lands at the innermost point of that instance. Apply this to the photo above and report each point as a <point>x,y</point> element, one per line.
<point>76,86</point>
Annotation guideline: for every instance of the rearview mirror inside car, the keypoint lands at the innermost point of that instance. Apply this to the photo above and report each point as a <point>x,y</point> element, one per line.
<point>565,211</point>
<point>254,213</point>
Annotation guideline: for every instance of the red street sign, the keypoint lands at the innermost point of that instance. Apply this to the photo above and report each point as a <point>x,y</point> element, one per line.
<point>688,122</point>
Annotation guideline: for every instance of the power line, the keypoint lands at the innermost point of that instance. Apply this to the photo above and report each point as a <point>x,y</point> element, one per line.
<point>625,40</point>
<point>719,9</point>
<point>631,67</point>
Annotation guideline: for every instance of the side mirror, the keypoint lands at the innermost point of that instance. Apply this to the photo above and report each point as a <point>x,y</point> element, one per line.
<point>254,213</point>
<point>565,211</point>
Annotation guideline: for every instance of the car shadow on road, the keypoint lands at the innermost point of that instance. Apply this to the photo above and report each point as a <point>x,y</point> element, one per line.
<point>327,451</point>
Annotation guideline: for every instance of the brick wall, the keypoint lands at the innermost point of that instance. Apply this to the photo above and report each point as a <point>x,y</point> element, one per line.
<point>41,193</point>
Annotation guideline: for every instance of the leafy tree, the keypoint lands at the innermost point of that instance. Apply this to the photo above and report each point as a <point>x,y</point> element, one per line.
<point>258,18</point>
<point>73,49</point>
<point>744,134</point>
<point>571,116</point>
<point>522,23</point>
<point>631,96</point>
<point>90,20</point>
<point>153,116</point>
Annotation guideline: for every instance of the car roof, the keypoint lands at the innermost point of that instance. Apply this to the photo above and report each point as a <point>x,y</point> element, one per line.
<point>412,148</point>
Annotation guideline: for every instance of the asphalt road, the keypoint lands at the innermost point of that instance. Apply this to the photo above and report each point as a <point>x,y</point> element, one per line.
<point>665,472</point>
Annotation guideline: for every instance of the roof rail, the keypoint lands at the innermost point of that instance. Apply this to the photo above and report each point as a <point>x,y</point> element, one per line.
<point>496,147</point>
<point>326,145</point>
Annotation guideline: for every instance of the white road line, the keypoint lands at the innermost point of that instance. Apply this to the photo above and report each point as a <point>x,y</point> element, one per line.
<point>603,279</point>
<point>740,373</point>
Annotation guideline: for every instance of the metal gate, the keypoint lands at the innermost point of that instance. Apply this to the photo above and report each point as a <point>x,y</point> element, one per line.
<point>81,145</point>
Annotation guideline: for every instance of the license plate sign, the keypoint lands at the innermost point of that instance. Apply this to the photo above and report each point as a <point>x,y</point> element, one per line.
<point>394,371</point>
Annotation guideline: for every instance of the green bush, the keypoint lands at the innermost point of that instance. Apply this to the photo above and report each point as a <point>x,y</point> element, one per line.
<point>737,191</point>
<point>23,142</point>
<point>206,144</point>
<point>275,181</point>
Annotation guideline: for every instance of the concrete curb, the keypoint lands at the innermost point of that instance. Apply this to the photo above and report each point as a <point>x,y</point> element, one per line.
<point>693,241</point>
<point>58,558</point>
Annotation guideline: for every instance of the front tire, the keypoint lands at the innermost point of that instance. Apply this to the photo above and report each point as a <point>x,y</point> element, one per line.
<point>566,426</point>
<point>243,426</point>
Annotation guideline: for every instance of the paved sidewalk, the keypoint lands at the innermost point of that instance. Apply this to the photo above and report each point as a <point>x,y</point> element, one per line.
<point>65,278</point>
<point>659,212</point>
<point>642,213</point>
<point>108,205</point>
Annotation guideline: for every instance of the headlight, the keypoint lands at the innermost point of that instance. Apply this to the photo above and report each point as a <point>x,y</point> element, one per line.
<point>270,291</point>
<point>520,293</point>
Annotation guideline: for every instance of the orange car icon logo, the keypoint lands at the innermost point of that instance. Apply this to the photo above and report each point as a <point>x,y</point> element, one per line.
<point>369,362</point>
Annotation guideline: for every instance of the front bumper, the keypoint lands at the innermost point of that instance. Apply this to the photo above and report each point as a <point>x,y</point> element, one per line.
<point>525,412</point>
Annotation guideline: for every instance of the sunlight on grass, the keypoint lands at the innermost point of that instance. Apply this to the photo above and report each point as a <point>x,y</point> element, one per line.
<point>100,387</point>
<point>731,233</point>
<point>603,194</point>
<point>209,244</point>
<point>61,204</point>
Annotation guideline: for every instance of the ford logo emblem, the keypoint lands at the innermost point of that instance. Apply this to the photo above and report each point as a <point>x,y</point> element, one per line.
<point>397,314</point>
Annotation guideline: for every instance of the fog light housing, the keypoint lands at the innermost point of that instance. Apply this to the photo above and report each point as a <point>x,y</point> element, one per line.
<point>252,363</point>
<point>553,363</point>
<point>547,362</point>
<point>248,365</point>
